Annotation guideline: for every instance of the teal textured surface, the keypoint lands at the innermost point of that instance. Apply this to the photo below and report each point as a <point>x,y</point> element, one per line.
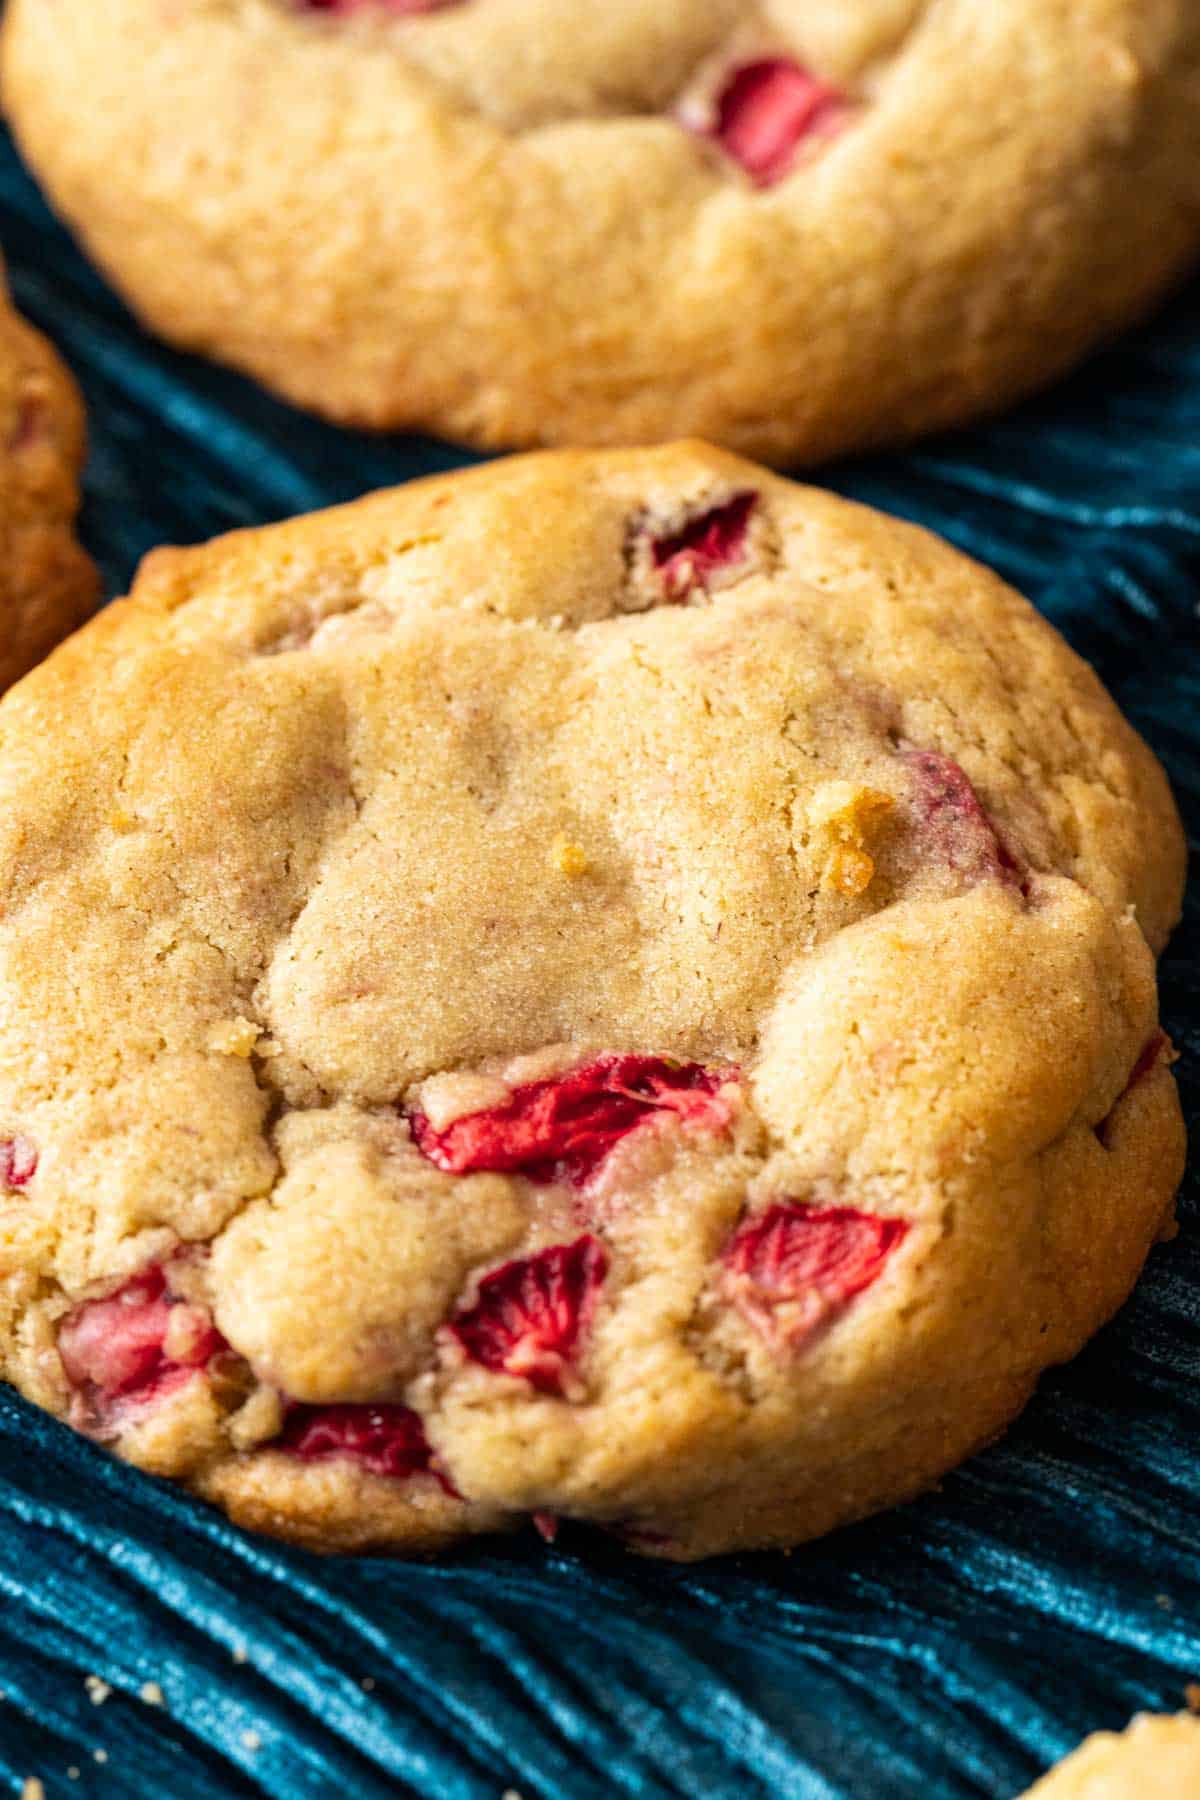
<point>948,1651</point>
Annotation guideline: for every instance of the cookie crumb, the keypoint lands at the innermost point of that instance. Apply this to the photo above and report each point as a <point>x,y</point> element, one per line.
<point>851,871</point>
<point>73,1772</point>
<point>100,1756</point>
<point>251,1740</point>
<point>32,1789</point>
<point>568,858</point>
<point>187,1335</point>
<point>1164,1602</point>
<point>234,1037</point>
<point>367,1684</point>
<point>256,1421</point>
<point>844,815</point>
<point>239,1653</point>
<point>151,1693</point>
<point>511,1794</point>
<point>1191,1695</point>
<point>97,1690</point>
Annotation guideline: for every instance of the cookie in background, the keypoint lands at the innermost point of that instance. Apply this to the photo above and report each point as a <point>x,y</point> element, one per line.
<point>1157,1758</point>
<point>48,586</point>
<point>797,229</point>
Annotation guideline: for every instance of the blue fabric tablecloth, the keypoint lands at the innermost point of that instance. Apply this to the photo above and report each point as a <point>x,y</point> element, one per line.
<point>951,1649</point>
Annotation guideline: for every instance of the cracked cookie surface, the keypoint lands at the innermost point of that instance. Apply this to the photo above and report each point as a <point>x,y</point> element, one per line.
<point>1157,1758</point>
<point>794,226</point>
<point>48,586</point>
<point>606,986</point>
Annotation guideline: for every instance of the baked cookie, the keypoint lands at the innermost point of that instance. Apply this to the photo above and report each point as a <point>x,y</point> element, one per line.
<point>1156,1759</point>
<point>605,986</point>
<point>795,227</point>
<point>47,584</point>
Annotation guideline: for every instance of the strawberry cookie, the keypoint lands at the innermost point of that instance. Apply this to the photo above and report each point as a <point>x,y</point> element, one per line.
<point>1156,1759</point>
<point>48,586</point>
<point>794,226</point>
<point>603,987</point>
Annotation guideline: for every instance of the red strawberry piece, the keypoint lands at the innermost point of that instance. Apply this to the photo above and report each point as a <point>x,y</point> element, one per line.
<point>115,1350</point>
<point>546,1525</point>
<point>18,1162</point>
<point>641,1536</point>
<point>1148,1060</point>
<point>531,1315</point>
<point>792,1268</point>
<point>953,818</point>
<point>32,419</point>
<point>564,1128</point>
<point>711,541</point>
<point>386,1440</point>
<point>767,110</point>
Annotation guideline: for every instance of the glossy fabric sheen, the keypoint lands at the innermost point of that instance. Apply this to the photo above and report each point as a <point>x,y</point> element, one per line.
<point>949,1650</point>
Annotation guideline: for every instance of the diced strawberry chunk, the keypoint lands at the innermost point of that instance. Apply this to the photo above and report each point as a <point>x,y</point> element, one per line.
<point>18,1162</point>
<point>117,1349</point>
<point>546,1525</point>
<point>1148,1060</point>
<point>956,823</point>
<point>562,1129</point>
<point>792,1268</point>
<point>640,1535</point>
<point>766,111</point>
<point>531,1315</point>
<point>1150,1056</point>
<point>31,423</point>
<point>386,1440</point>
<point>711,541</point>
